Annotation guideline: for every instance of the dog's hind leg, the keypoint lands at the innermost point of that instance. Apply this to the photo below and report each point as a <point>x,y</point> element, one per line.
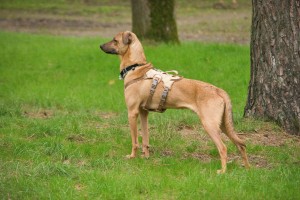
<point>211,114</point>
<point>239,144</point>
<point>132,117</point>
<point>145,133</point>
<point>214,132</point>
<point>228,129</point>
<point>242,150</point>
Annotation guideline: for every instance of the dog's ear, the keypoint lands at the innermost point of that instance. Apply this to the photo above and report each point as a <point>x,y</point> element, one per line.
<point>127,37</point>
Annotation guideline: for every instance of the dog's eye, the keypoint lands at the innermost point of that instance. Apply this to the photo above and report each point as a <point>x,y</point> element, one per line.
<point>115,42</point>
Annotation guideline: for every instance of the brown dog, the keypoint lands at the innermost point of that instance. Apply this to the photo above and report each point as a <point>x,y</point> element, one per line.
<point>211,104</point>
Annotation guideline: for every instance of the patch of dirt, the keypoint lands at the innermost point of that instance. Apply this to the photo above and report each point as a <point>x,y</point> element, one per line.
<point>263,137</point>
<point>40,114</point>
<point>166,153</point>
<point>76,138</point>
<point>259,161</point>
<point>60,26</point>
<point>105,122</point>
<point>81,163</point>
<point>191,132</point>
<point>203,157</point>
<point>78,163</point>
<point>267,138</point>
<point>107,115</point>
<point>79,187</point>
<point>201,24</point>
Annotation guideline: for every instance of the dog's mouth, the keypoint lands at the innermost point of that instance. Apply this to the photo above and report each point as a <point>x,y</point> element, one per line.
<point>108,50</point>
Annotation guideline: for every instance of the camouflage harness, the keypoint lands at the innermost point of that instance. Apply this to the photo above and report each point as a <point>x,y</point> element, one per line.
<point>157,76</point>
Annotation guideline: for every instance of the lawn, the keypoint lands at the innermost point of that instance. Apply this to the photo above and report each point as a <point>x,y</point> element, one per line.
<point>64,132</point>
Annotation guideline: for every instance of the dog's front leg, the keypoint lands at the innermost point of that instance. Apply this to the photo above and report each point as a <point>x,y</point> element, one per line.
<point>144,126</point>
<point>132,117</point>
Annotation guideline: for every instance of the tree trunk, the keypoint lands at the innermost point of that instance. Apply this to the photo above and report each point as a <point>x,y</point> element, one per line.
<point>163,24</point>
<point>154,19</point>
<point>274,88</point>
<point>140,17</point>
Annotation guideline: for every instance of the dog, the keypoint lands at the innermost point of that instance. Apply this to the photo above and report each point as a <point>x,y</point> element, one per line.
<point>211,104</point>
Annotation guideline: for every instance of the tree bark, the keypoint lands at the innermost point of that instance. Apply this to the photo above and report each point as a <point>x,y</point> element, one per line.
<point>163,24</point>
<point>274,88</point>
<point>140,17</point>
<point>155,20</point>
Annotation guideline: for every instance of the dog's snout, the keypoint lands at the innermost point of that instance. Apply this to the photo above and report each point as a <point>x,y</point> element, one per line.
<point>101,46</point>
<point>108,49</point>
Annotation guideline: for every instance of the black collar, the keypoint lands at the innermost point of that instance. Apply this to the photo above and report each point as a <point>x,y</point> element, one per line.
<point>124,72</point>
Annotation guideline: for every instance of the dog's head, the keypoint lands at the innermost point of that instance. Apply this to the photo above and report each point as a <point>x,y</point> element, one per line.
<point>128,47</point>
<point>119,44</point>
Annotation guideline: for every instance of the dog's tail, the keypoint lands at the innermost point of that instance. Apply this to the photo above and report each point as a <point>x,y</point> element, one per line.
<point>228,128</point>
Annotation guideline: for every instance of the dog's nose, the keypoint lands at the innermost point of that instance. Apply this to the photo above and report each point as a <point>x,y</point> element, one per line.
<point>101,46</point>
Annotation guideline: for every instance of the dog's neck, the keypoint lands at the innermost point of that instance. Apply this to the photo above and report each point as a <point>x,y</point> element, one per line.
<point>134,55</point>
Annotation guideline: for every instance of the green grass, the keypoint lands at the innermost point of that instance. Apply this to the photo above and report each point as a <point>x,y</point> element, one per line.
<point>64,130</point>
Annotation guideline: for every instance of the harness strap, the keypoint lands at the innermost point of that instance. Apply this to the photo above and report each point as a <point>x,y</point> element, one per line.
<point>163,100</point>
<point>152,90</point>
<point>145,69</point>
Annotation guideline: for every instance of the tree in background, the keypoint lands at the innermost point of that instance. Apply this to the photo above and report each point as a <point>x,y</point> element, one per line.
<point>140,18</point>
<point>274,88</point>
<point>154,19</point>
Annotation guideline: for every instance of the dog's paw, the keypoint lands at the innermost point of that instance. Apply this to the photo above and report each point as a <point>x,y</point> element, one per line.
<point>220,171</point>
<point>145,156</point>
<point>129,156</point>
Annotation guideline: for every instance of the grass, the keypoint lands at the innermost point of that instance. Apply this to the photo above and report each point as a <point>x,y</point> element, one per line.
<point>64,130</point>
